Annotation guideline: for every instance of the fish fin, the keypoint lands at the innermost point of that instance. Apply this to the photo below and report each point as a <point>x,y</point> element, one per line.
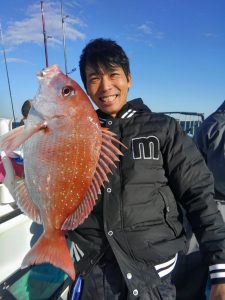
<point>25,203</point>
<point>51,248</point>
<point>10,177</point>
<point>81,212</point>
<point>108,155</point>
<point>16,137</point>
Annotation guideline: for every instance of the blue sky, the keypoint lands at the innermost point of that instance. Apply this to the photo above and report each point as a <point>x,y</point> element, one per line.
<point>176,48</point>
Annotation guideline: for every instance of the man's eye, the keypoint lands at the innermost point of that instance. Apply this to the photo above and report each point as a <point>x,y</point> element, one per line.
<point>68,91</point>
<point>114,74</point>
<point>93,79</point>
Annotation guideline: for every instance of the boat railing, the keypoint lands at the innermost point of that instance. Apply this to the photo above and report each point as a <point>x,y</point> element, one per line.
<point>189,121</point>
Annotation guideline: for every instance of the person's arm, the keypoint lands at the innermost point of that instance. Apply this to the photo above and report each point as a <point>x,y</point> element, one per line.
<point>193,186</point>
<point>210,141</point>
<point>200,139</point>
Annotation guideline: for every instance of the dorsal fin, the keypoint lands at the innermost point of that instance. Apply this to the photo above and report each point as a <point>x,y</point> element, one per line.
<point>108,154</point>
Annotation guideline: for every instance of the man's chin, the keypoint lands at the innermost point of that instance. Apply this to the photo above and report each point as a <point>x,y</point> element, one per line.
<point>110,111</point>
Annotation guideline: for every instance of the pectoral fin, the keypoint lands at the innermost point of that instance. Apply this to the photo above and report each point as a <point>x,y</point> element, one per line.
<point>16,137</point>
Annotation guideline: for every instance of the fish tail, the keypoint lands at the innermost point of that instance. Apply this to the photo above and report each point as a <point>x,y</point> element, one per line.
<point>51,249</point>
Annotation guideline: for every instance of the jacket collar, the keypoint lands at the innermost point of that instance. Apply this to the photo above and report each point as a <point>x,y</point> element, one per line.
<point>129,110</point>
<point>221,108</point>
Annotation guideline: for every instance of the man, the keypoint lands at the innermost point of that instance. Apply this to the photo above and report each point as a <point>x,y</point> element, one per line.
<point>210,140</point>
<point>25,110</point>
<point>128,246</point>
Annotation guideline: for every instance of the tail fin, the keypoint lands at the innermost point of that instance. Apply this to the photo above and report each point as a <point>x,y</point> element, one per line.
<point>51,248</point>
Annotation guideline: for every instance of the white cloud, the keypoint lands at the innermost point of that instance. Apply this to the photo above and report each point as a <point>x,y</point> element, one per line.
<point>145,28</point>
<point>17,60</point>
<point>72,4</point>
<point>159,35</point>
<point>29,29</point>
<point>211,35</point>
<point>145,33</point>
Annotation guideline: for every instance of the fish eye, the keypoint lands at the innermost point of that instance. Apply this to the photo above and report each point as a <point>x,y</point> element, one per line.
<point>68,91</point>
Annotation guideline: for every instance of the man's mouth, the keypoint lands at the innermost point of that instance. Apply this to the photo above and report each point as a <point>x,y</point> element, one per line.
<point>108,99</point>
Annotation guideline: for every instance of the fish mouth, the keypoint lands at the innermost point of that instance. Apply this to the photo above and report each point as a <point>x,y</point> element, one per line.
<point>48,72</point>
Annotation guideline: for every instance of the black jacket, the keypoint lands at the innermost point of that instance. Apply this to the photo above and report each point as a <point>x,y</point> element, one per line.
<point>161,171</point>
<point>210,139</point>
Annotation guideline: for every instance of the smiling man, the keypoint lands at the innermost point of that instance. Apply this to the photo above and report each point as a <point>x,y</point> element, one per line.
<point>128,246</point>
<point>108,88</point>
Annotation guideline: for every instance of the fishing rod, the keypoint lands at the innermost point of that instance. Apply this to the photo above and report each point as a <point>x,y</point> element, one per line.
<point>64,39</point>
<point>44,34</point>
<point>7,72</point>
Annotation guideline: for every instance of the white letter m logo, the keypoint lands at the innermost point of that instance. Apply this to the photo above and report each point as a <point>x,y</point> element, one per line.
<point>145,148</point>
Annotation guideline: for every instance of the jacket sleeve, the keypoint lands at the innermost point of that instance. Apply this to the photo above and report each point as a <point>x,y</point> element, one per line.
<point>192,184</point>
<point>210,139</point>
<point>200,138</point>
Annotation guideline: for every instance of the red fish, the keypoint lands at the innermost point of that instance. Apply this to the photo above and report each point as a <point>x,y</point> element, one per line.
<point>67,156</point>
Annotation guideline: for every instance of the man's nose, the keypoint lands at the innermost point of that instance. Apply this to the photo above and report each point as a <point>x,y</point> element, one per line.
<point>106,83</point>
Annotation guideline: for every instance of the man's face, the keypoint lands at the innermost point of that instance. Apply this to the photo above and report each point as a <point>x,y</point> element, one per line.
<point>108,89</point>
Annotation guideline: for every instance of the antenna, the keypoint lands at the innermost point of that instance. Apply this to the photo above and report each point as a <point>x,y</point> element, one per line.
<point>7,73</point>
<point>44,34</point>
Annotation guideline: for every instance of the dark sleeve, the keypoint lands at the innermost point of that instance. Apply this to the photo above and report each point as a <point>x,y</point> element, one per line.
<point>192,184</point>
<point>210,140</point>
<point>200,139</point>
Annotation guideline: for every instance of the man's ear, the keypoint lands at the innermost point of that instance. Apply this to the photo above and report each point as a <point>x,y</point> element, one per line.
<point>129,80</point>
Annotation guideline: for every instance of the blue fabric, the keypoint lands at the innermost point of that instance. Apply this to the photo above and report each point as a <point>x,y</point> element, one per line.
<point>208,289</point>
<point>77,289</point>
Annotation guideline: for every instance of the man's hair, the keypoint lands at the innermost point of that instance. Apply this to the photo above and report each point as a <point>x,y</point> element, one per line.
<point>102,53</point>
<point>26,108</point>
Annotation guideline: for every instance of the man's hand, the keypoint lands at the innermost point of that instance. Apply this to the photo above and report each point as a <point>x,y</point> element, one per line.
<point>217,292</point>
